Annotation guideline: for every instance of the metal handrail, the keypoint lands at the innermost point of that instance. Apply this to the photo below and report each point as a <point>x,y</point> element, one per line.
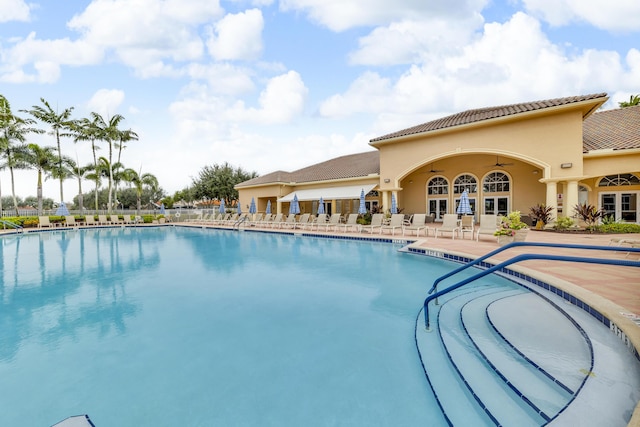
<point>240,221</point>
<point>525,257</point>
<point>10,224</point>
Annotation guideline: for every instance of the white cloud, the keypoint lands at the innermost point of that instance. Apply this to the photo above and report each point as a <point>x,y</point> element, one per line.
<point>504,63</point>
<point>413,41</point>
<point>223,78</point>
<point>339,15</point>
<point>238,36</point>
<point>14,10</point>
<point>143,33</point>
<point>106,102</point>
<point>615,16</point>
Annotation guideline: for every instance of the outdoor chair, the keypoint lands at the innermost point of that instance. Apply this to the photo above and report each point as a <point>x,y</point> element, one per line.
<point>376,222</point>
<point>43,221</point>
<point>102,220</point>
<point>467,225</point>
<point>70,220</point>
<point>397,222</point>
<point>334,221</point>
<point>351,223</point>
<point>416,224</point>
<point>488,226</point>
<point>89,220</point>
<point>449,225</point>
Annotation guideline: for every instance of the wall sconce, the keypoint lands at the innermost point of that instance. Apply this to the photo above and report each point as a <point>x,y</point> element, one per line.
<point>410,181</point>
<point>566,165</point>
<point>387,180</point>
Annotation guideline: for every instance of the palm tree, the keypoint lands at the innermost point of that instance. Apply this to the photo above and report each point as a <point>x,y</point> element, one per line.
<point>61,124</point>
<point>88,130</point>
<point>80,173</point>
<point>633,101</point>
<point>139,181</point>
<point>43,160</point>
<point>108,131</point>
<point>13,129</point>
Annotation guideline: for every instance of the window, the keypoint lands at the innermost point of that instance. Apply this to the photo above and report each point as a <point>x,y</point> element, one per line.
<point>438,185</point>
<point>496,182</point>
<point>619,180</point>
<point>465,182</point>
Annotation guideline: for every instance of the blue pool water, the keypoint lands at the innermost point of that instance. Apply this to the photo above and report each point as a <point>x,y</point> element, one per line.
<point>170,326</point>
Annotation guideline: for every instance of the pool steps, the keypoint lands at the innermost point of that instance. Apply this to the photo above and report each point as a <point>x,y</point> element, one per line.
<point>495,384</point>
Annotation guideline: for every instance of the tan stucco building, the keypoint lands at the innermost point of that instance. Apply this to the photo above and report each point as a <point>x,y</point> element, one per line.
<point>557,152</point>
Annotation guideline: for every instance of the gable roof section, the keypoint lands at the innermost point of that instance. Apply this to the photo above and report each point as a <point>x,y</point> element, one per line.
<point>349,166</point>
<point>482,114</point>
<point>617,129</point>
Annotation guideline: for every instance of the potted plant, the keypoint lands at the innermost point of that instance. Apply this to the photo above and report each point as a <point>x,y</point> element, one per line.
<point>512,225</point>
<point>541,214</point>
<point>504,234</point>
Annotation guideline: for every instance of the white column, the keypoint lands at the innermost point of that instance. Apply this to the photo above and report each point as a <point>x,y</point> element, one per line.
<point>570,198</point>
<point>552,197</point>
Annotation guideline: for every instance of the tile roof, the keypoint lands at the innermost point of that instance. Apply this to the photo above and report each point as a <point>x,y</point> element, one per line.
<point>617,129</point>
<point>349,166</point>
<point>477,115</point>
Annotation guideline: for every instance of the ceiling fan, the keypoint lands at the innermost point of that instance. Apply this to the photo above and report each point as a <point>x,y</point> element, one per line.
<point>432,170</point>
<point>500,164</point>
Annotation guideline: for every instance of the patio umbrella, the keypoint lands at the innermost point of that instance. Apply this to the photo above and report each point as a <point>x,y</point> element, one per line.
<point>62,210</point>
<point>268,207</point>
<point>362,209</point>
<point>221,209</point>
<point>321,206</point>
<point>464,207</point>
<point>252,206</point>
<point>162,211</point>
<point>394,205</point>
<point>294,206</point>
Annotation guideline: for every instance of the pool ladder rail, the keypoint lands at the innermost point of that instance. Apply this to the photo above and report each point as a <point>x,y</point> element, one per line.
<point>10,224</point>
<point>484,369</point>
<point>522,257</point>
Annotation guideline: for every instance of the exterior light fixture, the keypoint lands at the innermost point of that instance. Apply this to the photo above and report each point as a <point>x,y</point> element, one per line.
<point>387,180</point>
<point>566,165</point>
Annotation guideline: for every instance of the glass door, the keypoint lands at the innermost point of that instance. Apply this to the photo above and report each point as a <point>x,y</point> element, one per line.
<point>438,207</point>
<point>496,206</point>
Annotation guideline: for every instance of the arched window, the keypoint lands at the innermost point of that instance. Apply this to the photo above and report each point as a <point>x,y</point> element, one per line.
<point>496,182</point>
<point>438,185</point>
<point>619,180</point>
<point>467,182</point>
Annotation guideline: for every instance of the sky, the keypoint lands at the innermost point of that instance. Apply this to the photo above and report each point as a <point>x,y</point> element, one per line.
<point>270,85</point>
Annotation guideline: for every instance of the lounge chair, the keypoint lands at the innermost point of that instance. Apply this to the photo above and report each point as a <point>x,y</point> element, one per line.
<point>351,223</point>
<point>467,225</point>
<point>115,219</point>
<point>256,219</point>
<point>102,220</point>
<point>416,224</point>
<point>290,222</point>
<point>488,226</point>
<point>89,220</point>
<point>333,222</point>
<point>266,220</point>
<point>449,225</point>
<point>376,222</point>
<point>126,219</point>
<point>397,222</point>
<point>43,221</point>
<point>279,218</point>
<point>321,219</point>
<point>302,221</point>
<point>70,220</point>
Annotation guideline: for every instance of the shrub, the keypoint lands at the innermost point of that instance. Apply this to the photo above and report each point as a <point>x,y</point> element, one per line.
<point>619,227</point>
<point>541,212</point>
<point>563,223</point>
<point>589,214</point>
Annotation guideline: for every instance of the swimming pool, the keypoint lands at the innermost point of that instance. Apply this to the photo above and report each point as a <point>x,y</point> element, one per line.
<point>174,326</point>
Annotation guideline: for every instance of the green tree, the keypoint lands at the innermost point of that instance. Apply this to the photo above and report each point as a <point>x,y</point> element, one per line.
<point>218,182</point>
<point>13,135</point>
<point>108,131</point>
<point>79,173</point>
<point>87,130</point>
<point>43,160</point>
<point>61,125</point>
<point>633,101</point>
<point>139,181</point>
